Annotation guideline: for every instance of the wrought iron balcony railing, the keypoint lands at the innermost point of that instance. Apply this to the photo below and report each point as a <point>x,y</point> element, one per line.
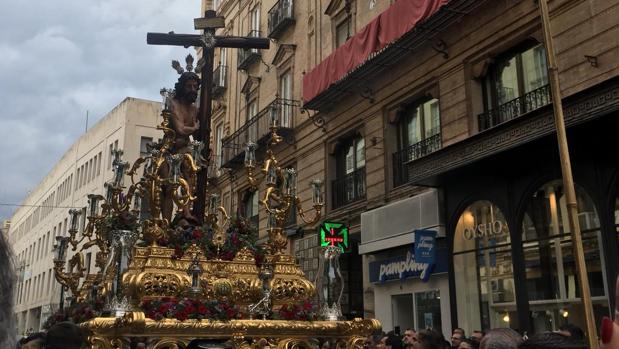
<point>248,56</point>
<point>220,78</point>
<point>514,108</point>
<point>348,188</point>
<point>280,17</point>
<point>258,129</point>
<point>413,152</point>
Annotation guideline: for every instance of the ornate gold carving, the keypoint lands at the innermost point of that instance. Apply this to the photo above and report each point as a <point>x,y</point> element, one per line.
<point>260,333</point>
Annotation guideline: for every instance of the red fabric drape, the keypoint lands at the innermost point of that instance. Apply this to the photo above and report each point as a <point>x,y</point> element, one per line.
<point>398,19</point>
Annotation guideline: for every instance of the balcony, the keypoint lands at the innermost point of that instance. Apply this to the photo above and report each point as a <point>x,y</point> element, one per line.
<point>280,17</point>
<point>413,152</point>
<point>514,108</point>
<point>257,130</point>
<point>220,78</point>
<point>248,56</point>
<point>348,188</point>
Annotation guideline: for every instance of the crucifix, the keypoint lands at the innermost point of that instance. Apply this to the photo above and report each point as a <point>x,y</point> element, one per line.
<point>207,41</point>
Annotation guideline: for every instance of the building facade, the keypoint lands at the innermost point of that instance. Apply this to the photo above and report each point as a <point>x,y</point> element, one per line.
<point>43,215</point>
<point>433,115</point>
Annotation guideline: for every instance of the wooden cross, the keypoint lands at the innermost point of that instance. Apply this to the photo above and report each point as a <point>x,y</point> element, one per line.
<point>207,41</point>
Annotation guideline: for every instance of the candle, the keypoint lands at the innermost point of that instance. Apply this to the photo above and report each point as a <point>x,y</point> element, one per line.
<point>316,185</point>
<point>250,154</point>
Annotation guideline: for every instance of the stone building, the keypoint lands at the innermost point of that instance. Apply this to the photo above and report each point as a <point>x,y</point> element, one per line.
<point>82,170</point>
<point>433,115</point>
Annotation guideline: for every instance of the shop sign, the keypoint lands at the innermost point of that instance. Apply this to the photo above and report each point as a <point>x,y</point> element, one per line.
<point>482,230</point>
<point>334,234</point>
<point>403,267</point>
<point>425,246</point>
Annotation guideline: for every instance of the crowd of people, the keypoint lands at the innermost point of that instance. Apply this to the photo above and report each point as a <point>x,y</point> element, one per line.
<point>569,336</point>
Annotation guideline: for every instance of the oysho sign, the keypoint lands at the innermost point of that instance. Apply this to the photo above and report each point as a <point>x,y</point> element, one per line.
<point>482,230</point>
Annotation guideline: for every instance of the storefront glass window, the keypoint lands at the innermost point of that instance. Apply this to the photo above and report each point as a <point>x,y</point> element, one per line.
<point>552,283</point>
<point>483,269</point>
<point>425,307</point>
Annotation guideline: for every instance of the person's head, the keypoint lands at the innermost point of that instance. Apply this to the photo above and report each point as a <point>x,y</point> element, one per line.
<point>501,338</point>
<point>64,335</point>
<point>369,342</point>
<point>572,330</point>
<point>33,341</point>
<point>7,285</point>
<point>410,337</point>
<point>187,86</point>
<point>382,343</point>
<point>458,330</point>
<point>469,343</point>
<point>552,340</point>
<point>429,339</point>
<point>456,338</point>
<point>477,335</point>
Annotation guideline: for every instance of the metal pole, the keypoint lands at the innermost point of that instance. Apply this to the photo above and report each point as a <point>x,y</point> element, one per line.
<point>568,180</point>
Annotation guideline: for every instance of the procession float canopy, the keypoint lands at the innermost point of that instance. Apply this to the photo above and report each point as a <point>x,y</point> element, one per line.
<point>172,266</point>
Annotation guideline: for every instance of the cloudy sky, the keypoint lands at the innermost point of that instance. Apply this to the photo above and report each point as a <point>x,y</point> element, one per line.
<point>61,58</point>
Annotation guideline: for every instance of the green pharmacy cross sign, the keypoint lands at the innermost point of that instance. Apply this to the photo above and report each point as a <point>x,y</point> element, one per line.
<point>334,234</point>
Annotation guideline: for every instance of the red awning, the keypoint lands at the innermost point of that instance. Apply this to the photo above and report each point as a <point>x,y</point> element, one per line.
<point>390,25</point>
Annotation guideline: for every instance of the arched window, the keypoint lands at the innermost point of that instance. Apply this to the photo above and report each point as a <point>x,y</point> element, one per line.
<point>483,269</point>
<point>551,277</point>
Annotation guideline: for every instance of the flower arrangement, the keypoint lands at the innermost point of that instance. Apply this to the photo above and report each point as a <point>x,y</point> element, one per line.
<point>301,311</point>
<point>76,313</point>
<point>240,234</point>
<point>187,308</point>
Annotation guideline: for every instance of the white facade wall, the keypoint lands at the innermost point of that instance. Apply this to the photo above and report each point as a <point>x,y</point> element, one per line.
<point>82,170</point>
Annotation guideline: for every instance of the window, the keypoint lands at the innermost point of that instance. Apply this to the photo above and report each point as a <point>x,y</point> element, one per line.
<point>342,32</point>
<point>285,93</point>
<point>216,4</point>
<point>349,185</point>
<point>418,134</point>
<point>251,207</point>
<point>251,111</point>
<point>516,84</point>
<point>77,182</point>
<point>144,142</point>
<point>483,269</point>
<point>219,134</point>
<point>109,162</point>
<point>88,262</point>
<point>551,277</point>
<point>425,308</point>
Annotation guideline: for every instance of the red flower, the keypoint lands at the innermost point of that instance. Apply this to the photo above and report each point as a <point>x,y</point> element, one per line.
<point>196,234</point>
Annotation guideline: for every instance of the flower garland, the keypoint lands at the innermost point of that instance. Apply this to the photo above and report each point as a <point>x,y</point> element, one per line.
<point>187,308</point>
<point>240,234</point>
<point>76,313</point>
<point>297,311</point>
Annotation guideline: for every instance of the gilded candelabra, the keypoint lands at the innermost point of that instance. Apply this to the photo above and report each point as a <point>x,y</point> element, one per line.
<point>280,196</point>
